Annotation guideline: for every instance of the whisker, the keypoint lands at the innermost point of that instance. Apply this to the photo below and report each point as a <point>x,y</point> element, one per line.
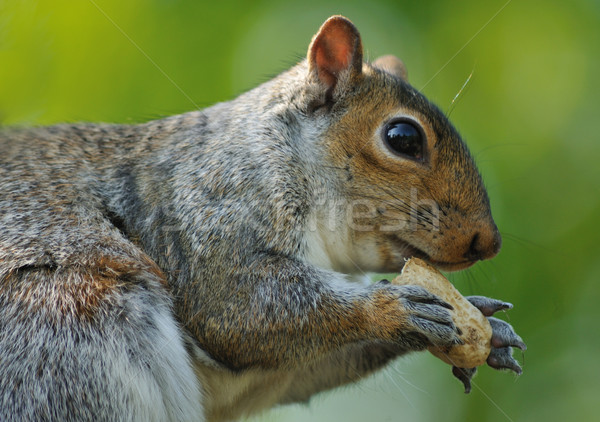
<point>462,88</point>
<point>401,207</point>
<point>335,168</point>
<point>525,242</point>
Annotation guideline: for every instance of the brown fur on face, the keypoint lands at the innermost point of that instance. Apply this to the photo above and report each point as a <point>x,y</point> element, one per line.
<point>437,209</point>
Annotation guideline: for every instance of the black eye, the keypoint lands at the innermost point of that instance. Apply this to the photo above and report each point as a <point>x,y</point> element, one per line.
<point>405,138</point>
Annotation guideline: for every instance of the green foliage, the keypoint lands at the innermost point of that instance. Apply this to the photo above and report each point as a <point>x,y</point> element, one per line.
<point>529,114</point>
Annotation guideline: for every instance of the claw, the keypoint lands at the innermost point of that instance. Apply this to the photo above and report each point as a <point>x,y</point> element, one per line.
<point>488,306</point>
<point>502,359</point>
<point>503,339</point>
<point>504,335</point>
<point>464,375</point>
<point>419,294</point>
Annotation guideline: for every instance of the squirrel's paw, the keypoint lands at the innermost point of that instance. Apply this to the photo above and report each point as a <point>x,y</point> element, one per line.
<point>428,317</point>
<point>503,340</point>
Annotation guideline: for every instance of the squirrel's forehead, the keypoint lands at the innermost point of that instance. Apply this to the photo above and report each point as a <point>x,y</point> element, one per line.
<point>398,94</point>
<point>396,91</point>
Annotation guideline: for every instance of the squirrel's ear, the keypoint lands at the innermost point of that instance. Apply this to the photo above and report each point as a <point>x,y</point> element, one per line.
<point>335,49</point>
<point>393,65</point>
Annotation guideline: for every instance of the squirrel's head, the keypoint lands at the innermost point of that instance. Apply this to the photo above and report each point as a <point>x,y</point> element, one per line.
<point>411,186</point>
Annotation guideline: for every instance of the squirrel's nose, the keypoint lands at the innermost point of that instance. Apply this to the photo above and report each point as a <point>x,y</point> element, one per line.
<point>485,244</point>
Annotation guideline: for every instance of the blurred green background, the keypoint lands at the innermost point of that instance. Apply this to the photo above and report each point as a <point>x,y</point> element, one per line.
<point>529,113</point>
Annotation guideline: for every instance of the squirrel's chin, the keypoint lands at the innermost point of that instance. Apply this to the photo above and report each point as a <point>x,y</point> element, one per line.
<point>451,266</point>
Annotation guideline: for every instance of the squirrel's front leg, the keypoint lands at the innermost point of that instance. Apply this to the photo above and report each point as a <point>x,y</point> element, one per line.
<point>281,313</point>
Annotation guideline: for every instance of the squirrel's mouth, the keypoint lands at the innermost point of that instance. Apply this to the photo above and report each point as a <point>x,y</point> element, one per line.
<point>410,251</point>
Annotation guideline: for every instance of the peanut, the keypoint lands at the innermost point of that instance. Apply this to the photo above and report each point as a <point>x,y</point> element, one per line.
<point>476,330</point>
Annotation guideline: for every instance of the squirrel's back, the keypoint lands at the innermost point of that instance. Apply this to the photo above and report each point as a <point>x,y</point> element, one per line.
<point>86,327</point>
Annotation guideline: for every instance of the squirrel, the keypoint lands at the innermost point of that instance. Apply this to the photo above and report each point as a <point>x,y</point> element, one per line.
<point>210,265</point>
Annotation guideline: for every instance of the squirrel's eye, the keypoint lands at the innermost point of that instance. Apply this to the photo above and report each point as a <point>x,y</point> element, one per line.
<point>405,138</point>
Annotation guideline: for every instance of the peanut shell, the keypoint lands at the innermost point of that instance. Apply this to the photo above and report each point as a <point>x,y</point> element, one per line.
<point>476,330</point>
